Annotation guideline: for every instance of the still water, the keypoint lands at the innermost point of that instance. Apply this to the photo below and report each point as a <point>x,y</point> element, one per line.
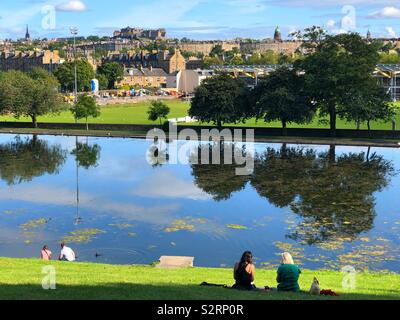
<point>329,206</point>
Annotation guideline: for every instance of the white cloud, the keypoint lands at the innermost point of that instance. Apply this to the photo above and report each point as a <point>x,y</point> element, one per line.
<point>72,6</point>
<point>330,24</point>
<point>331,3</point>
<point>52,195</point>
<point>391,32</point>
<point>385,13</point>
<point>248,6</point>
<point>167,185</point>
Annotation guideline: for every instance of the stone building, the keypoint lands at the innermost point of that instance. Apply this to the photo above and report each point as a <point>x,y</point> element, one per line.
<point>25,61</point>
<point>137,33</point>
<point>288,47</point>
<point>169,62</point>
<point>205,47</point>
<point>144,77</point>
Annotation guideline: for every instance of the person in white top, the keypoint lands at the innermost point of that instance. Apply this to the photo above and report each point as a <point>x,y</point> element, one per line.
<point>66,254</point>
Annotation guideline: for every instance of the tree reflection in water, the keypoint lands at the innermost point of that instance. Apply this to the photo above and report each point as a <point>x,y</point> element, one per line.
<point>218,180</point>
<point>334,195</point>
<point>21,159</point>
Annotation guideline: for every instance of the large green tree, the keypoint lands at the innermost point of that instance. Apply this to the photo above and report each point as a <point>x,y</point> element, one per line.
<point>113,71</point>
<point>220,99</point>
<point>31,95</point>
<point>281,97</point>
<point>65,74</point>
<point>337,65</point>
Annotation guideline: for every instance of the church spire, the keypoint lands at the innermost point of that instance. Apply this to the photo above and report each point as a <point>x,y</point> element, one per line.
<point>369,35</point>
<point>27,35</point>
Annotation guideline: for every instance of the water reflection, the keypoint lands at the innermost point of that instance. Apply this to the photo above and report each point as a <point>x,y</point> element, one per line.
<point>86,156</point>
<point>322,203</point>
<point>23,159</point>
<point>218,180</point>
<point>333,194</point>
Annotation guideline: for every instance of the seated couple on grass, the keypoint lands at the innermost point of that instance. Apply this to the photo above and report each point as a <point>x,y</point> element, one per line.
<point>288,274</point>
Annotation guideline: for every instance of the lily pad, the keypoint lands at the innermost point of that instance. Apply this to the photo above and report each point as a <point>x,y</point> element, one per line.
<point>82,236</point>
<point>236,226</point>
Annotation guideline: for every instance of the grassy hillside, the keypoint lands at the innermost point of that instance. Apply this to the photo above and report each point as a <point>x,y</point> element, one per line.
<point>22,278</point>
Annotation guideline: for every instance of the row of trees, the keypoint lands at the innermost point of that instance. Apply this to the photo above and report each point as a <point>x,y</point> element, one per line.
<point>108,75</point>
<point>335,79</point>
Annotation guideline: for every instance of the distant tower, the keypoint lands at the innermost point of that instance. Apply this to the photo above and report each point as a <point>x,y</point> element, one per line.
<point>369,36</point>
<point>278,35</point>
<point>27,35</point>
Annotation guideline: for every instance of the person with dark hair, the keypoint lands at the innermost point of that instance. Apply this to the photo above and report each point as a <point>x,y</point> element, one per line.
<point>244,272</point>
<point>66,254</point>
<point>45,254</point>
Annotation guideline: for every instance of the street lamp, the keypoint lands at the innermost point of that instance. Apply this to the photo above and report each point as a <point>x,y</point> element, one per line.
<point>74,32</point>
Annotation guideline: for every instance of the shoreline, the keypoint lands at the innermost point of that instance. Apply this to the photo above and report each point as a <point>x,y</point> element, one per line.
<point>384,143</point>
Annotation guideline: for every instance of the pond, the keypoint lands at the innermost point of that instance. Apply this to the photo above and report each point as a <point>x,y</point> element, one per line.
<point>329,206</point>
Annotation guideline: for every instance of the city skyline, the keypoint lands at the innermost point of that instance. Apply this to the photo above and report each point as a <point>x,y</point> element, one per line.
<point>198,19</point>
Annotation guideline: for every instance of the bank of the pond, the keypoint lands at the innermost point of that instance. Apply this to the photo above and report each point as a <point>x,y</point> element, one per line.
<point>22,279</point>
<point>388,143</point>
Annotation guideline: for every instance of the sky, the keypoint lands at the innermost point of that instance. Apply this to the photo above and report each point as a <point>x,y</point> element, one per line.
<point>198,19</point>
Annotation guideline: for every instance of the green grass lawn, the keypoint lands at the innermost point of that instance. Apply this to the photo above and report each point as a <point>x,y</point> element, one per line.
<point>137,114</point>
<point>22,278</point>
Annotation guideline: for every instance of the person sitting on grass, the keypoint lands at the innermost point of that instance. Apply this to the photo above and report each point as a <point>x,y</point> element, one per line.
<point>66,254</point>
<point>288,274</point>
<point>244,272</point>
<point>45,254</point>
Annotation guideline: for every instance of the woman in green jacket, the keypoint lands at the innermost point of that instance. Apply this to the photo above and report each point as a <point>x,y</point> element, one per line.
<point>288,274</point>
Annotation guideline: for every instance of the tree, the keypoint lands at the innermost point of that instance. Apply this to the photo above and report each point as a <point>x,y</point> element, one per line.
<point>281,96</point>
<point>103,81</point>
<point>113,71</point>
<point>35,158</point>
<point>217,51</point>
<point>312,37</point>
<point>158,111</point>
<point>338,65</point>
<point>66,75</point>
<point>212,61</point>
<point>369,104</point>
<point>220,99</point>
<point>32,95</point>
<point>85,107</point>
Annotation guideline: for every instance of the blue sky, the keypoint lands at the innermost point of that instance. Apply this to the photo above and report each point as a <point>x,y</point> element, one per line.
<point>198,19</point>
